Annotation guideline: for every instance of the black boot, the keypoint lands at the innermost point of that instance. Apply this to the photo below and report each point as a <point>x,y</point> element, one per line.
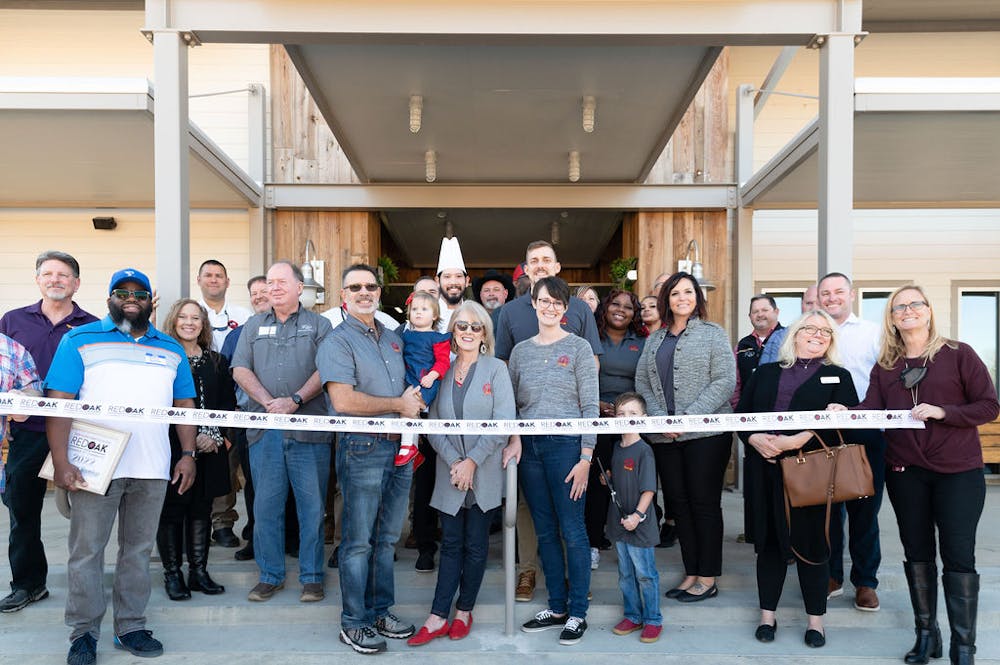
<point>198,534</point>
<point>961,598</point>
<point>169,542</point>
<point>921,578</point>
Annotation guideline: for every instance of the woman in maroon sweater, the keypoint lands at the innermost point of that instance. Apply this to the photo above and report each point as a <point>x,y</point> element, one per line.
<point>935,475</point>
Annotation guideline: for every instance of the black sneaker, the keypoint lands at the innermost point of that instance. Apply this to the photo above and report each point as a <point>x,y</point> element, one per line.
<point>573,632</point>
<point>225,537</point>
<point>390,626</point>
<point>363,640</point>
<point>543,621</point>
<point>245,553</point>
<point>18,599</point>
<point>425,563</point>
<point>139,643</point>
<point>83,651</point>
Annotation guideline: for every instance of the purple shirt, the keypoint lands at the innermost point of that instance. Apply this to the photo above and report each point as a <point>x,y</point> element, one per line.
<point>33,330</point>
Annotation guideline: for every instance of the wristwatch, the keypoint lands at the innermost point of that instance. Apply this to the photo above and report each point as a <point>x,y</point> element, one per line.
<point>193,454</point>
<point>642,515</point>
<point>297,398</point>
<point>584,457</point>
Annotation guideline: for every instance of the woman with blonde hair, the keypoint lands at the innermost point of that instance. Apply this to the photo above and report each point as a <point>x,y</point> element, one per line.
<point>934,475</point>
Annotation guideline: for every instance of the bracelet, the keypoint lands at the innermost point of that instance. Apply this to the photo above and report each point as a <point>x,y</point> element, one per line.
<point>584,457</point>
<point>642,515</point>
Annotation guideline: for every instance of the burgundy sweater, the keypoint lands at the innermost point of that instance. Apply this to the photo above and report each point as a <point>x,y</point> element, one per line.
<point>958,382</point>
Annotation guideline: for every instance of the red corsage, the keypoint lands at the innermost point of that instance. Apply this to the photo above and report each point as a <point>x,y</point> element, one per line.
<point>395,347</point>
<point>629,464</point>
<point>487,389</point>
<point>563,361</point>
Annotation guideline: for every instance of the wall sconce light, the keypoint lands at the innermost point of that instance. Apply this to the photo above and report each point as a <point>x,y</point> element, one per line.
<point>691,264</point>
<point>416,112</point>
<point>104,223</point>
<point>430,166</point>
<point>554,233</point>
<point>589,112</point>
<point>313,292</point>
<point>574,166</point>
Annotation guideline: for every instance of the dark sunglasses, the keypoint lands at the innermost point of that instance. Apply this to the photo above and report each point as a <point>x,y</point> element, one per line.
<point>124,294</point>
<point>355,288</point>
<point>911,376</point>
<point>463,326</point>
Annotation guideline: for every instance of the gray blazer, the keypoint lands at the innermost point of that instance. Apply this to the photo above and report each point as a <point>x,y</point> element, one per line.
<point>704,374</point>
<point>489,397</point>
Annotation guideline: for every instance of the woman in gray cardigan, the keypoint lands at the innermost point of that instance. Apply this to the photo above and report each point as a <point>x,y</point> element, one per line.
<point>469,472</point>
<point>687,368</point>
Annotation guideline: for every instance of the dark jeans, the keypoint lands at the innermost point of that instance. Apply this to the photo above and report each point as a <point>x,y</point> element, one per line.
<point>425,518</point>
<point>771,569</point>
<point>23,497</point>
<point>465,542</point>
<point>692,473</point>
<point>545,463</point>
<point>951,502</point>
<point>866,552</point>
<point>595,509</point>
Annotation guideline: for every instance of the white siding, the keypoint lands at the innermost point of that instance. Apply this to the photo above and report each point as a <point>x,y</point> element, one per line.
<point>25,233</point>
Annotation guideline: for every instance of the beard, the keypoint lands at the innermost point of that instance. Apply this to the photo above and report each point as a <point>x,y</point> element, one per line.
<point>491,303</point>
<point>453,299</point>
<point>129,322</point>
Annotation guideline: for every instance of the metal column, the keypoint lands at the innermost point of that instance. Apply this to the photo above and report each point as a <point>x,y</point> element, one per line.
<point>171,154</point>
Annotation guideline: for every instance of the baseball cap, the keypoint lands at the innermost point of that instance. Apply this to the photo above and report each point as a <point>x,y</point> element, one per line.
<point>129,275</point>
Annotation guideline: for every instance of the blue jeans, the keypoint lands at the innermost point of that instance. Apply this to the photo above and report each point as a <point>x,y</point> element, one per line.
<point>640,584</point>
<point>865,548</point>
<point>465,542</point>
<point>376,493</point>
<point>545,463</point>
<point>278,460</point>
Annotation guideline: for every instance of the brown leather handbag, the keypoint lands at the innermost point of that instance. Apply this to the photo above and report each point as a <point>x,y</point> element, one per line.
<point>825,476</point>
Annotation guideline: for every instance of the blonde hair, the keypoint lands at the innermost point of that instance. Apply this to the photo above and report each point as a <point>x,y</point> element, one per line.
<point>786,353</point>
<point>893,349</point>
<point>428,297</point>
<point>477,314</point>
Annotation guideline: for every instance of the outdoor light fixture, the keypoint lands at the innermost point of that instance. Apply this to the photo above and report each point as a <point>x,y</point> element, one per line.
<point>430,166</point>
<point>574,166</point>
<point>104,223</point>
<point>554,233</point>
<point>691,264</point>
<point>589,110</point>
<point>312,290</point>
<point>416,112</point>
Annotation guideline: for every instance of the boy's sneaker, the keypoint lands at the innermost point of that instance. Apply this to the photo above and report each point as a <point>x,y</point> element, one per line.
<point>650,634</point>
<point>390,626</point>
<point>625,627</point>
<point>595,558</point>
<point>362,640</point>
<point>83,651</point>
<point>139,643</point>
<point>543,621</point>
<point>573,631</point>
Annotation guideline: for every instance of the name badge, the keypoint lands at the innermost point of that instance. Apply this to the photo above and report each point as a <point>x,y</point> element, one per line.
<point>829,379</point>
<point>267,331</point>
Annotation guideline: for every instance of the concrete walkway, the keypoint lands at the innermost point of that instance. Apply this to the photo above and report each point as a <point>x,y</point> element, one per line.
<point>229,629</point>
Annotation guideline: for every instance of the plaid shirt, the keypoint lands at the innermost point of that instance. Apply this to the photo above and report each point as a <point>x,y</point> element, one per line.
<point>17,372</point>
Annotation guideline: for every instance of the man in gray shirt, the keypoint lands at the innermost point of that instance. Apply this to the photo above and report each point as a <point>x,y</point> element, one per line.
<point>275,365</point>
<point>361,367</point>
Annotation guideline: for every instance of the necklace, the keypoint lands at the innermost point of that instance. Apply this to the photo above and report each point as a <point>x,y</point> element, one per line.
<point>461,373</point>
<point>805,362</point>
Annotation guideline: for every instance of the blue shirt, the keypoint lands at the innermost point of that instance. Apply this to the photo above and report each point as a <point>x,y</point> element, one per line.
<point>617,372</point>
<point>518,322</point>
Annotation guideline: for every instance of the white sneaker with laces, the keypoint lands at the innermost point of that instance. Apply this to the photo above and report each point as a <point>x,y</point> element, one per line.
<point>595,558</point>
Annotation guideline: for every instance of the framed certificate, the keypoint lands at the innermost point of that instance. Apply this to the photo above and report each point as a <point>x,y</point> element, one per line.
<point>93,449</point>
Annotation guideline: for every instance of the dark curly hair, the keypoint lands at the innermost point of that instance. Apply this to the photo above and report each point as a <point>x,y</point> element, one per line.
<point>635,326</point>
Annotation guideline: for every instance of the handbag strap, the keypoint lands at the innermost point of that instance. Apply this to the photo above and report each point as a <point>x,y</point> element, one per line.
<point>830,486</point>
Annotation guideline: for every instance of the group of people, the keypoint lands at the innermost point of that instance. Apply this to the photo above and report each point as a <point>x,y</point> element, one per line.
<point>545,354</point>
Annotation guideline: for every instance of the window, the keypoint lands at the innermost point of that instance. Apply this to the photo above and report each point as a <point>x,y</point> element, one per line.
<point>978,316</point>
<point>789,304</point>
<point>872,305</point>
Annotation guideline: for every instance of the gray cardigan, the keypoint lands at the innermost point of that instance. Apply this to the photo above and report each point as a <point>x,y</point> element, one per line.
<point>704,374</point>
<point>490,397</point>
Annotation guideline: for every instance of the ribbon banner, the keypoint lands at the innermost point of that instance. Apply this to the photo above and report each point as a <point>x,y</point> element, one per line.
<point>723,422</point>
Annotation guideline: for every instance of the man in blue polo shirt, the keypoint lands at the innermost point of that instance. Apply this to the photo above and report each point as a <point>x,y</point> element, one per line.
<point>121,359</point>
<point>39,327</point>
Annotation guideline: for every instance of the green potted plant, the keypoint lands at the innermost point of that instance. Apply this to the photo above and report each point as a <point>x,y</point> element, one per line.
<point>620,268</point>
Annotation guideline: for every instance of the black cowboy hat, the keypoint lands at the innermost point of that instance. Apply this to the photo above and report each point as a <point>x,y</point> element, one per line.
<point>492,275</point>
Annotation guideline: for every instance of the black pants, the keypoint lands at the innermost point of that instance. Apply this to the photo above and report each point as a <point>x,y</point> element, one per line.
<point>772,566</point>
<point>240,443</point>
<point>862,521</point>
<point>951,502</point>
<point>595,510</point>
<point>425,518</point>
<point>693,471</point>
<point>23,497</point>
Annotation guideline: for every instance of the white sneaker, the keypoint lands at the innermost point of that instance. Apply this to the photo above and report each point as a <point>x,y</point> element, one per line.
<point>595,558</point>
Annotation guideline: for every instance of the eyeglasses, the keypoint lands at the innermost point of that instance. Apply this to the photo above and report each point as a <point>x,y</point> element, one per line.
<point>125,294</point>
<point>826,333</point>
<point>916,306</point>
<point>463,326</point>
<point>546,303</point>
<point>355,288</point>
